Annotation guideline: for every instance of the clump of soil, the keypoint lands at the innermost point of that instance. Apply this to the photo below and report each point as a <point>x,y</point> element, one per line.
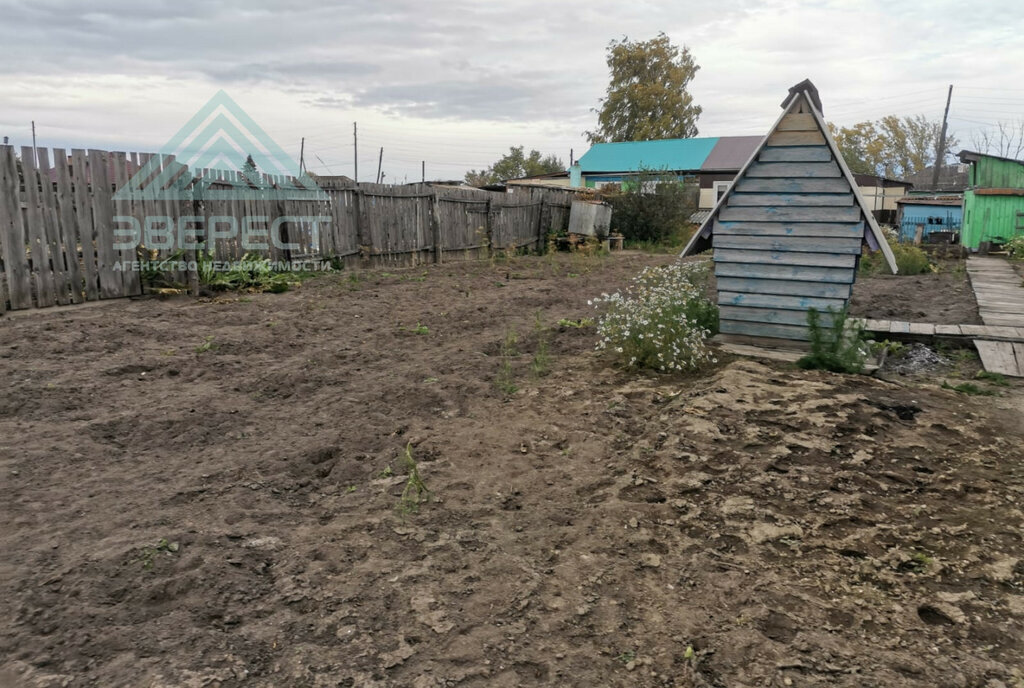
<point>231,515</point>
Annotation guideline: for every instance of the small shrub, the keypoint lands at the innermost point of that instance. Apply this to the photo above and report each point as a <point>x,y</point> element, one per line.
<point>207,345</point>
<point>541,364</point>
<point>910,260</point>
<point>1015,247</point>
<point>415,492</point>
<point>505,381</point>
<point>251,273</point>
<point>150,552</point>
<point>653,208</point>
<point>836,347</point>
<point>662,321</point>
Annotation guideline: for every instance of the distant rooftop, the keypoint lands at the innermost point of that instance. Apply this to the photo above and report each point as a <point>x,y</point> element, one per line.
<point>708,154</point>
<point>951,178</point>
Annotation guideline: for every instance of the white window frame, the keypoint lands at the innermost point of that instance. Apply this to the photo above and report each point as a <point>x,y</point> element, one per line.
<point>720,189</point>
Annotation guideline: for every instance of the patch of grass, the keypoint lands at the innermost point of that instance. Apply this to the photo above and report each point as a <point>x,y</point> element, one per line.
<point>207,345</point>
<point>150,552</point>
<point>893,349</point>
<point>541,364</point>
<point>420,329</point>
<point>835,347</point>
<point>505,379</point>
<point>918,563</point>
<point>992,378</point>
<point>579,323</point>
<point>627,656</point>
<point>968,388</point>
<point>415,492</point>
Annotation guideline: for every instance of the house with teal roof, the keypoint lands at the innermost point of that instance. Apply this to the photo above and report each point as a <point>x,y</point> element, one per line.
<point>709,162</point>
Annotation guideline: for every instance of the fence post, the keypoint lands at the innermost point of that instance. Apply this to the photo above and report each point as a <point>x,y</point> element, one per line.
<point>488,229</point>
<point>194,207</point>
<point>541,234</point>
<point>435,226</point>
<point>360,229</point>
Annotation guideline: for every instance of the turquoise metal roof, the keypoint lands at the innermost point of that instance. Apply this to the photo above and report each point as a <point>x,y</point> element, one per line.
<point>632,156</point>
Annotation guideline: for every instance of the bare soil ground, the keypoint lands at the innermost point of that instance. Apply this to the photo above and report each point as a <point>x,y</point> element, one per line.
<point>205,494</point>
<point>942,297</point>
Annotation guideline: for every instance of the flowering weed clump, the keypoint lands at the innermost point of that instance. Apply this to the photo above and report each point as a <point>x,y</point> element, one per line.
<point>661,321</point>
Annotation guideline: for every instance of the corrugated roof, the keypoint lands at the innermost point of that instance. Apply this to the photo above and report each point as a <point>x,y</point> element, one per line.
<point>931,200</point>
<point>730,153</point>
<point>633,156</point>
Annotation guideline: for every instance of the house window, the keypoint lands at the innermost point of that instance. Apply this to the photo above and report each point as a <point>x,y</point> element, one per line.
<point>720,189</point>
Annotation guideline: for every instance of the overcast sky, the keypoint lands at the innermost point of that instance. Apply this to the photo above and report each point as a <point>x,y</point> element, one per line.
<point>456,83</point>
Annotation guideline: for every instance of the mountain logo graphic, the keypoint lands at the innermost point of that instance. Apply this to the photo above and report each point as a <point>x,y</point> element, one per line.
<point>220,137</point>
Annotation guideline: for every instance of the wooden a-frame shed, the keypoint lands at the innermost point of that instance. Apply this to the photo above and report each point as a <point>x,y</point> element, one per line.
<point>788,233</point>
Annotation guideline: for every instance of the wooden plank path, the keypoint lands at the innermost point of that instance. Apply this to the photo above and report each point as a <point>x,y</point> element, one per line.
<point>997,288</point>
<point>1000,295</point>
<point>909,330</point>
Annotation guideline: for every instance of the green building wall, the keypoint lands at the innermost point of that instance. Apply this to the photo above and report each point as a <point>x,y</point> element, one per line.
<point>994,218</point>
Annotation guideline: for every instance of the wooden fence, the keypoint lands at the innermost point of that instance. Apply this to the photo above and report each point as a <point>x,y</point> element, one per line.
<point>59,238</point>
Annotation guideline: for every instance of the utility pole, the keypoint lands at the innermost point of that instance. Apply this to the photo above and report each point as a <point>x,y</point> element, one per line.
<point>570,157</point>
<point>423,170</point>
<point>302,153</point>
<point>380,161</point>
<point>355,148</point>
<point>34,153</point>
<point>941,150</point>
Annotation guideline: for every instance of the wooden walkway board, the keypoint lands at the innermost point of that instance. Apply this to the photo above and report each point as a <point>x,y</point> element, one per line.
<point>896,327</point>
<point>998,291</point>
<point>1000,296</point>
<point>1005,358</point>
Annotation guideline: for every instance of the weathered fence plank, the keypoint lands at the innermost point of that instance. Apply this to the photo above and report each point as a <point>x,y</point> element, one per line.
<point>51,225</point>
<point>103,213</point>
<point>70,235</point>
<point>84,219</point>
<point>39,250</point>
<point>13,235</point>
<point>130,278</point>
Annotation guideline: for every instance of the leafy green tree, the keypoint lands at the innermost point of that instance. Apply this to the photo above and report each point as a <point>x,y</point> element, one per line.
<point>891,146</point>
<point>647,96</point>
<point>513,165</point>
<point>861,146</point>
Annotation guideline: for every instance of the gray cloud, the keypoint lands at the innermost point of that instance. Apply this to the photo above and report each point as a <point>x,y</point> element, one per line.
<point>526,71</point>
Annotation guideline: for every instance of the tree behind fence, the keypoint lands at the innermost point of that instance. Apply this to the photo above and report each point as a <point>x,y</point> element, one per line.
<point>57,229</point>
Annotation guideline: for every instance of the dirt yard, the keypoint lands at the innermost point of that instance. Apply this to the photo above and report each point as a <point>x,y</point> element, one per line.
<point>942,297</point>
<point>208,494</point>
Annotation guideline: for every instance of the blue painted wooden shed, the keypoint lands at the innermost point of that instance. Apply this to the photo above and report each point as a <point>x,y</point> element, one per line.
<point>788,234</point>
